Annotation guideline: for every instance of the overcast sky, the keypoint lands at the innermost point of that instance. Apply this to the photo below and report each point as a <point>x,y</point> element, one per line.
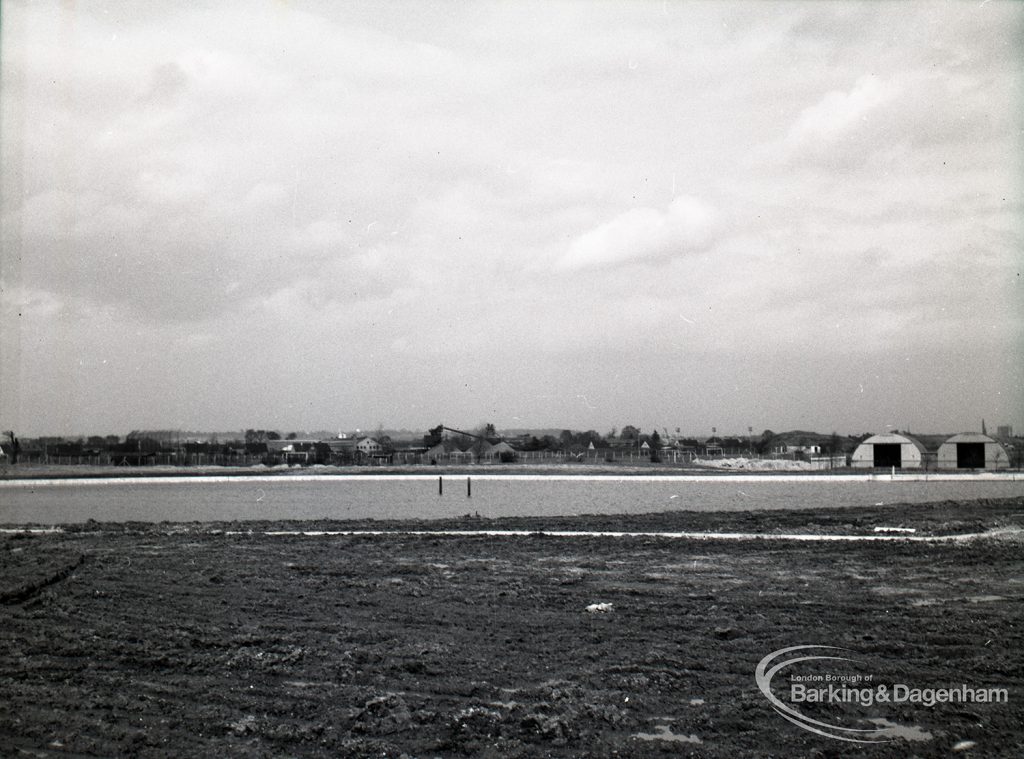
<point>320,215</point>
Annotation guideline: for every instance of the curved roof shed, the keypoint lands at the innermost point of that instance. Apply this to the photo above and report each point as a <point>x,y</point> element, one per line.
<point>889,450</point>
<point>969,450</point>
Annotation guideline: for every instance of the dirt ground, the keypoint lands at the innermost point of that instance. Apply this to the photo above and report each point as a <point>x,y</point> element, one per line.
<point>173,640</point>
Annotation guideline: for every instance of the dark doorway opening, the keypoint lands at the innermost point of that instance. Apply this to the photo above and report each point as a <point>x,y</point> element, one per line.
<point>888,455</point>
<point>970,455</point>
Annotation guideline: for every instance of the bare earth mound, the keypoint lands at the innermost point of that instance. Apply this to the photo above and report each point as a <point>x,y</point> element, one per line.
<point>199,640</point>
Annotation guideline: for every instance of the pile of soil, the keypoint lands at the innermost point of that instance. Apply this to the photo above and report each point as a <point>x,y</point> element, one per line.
<point>160,640</point>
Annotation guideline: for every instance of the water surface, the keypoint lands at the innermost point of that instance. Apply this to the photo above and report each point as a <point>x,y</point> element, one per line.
<point>416,496</point>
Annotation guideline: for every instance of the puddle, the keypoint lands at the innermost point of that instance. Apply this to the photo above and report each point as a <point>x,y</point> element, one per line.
<point>968,599</point>
<point>306,684</point>
<point>892,730</point>
<point>664,733</point>
<point>888,590</point>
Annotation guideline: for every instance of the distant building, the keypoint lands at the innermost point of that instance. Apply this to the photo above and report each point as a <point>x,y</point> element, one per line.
<point>789,449</point>
<point>446,451</point>
<point>1004,431</point>
<point>969,450</point>
<point>889,450</point>
<point>369,447</point>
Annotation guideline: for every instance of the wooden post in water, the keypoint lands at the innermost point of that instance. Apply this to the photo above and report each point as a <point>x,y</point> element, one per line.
<point>440,485</point>
<point>469,487</point>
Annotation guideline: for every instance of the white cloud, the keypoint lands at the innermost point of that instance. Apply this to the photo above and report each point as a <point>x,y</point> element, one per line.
<point>840,115</point>
<point>640,234</point>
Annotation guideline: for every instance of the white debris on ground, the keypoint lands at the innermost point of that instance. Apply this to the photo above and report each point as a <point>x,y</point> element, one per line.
<point>756,465</point>
<point>599,608</point>
<point>895,529</point>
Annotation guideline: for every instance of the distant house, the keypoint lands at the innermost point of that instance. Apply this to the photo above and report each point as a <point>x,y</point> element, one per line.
<point>369,447</point>
<point>293,451</point>
<point>343,450</point>
<point>447,450</point>
<point>501,449</point>
<point>789,449</point>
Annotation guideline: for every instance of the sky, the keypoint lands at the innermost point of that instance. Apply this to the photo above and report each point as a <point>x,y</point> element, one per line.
<point>695,215</point>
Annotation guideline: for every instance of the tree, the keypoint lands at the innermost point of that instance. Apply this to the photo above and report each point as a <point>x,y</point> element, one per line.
<point>434,436</point>
<point>629,432</point>
<point>765,441</point>
<point>15,446</point>
<point>257,436</point>
<point>655,443</point>
<point>292,436</point>
<point>321,453</point>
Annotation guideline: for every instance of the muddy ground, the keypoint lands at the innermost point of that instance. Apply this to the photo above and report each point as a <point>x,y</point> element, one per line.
<point>172,640</point>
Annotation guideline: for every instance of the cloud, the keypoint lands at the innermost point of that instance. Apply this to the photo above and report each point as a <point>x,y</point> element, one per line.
<point>839,116</point>
<point>642,234</point>
<point>410,176</point>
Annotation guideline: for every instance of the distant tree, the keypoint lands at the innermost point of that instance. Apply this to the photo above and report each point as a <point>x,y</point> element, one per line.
<point>292,436</point>
<point>272,435</point>
<point>566,439</point>
<point>655,443</point>
<point>489,431</point>
<point>96,441</point>
<point>321,453</point>
<point>148,445</point>
<point>15,446</point>
<point>629,432</point>
<point>611,433</point>
<point>479,448</point>
<point>765,441</point>
<point>434,436</point>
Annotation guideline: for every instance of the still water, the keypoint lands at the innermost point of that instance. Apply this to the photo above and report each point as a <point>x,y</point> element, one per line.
<point>416,496</point>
